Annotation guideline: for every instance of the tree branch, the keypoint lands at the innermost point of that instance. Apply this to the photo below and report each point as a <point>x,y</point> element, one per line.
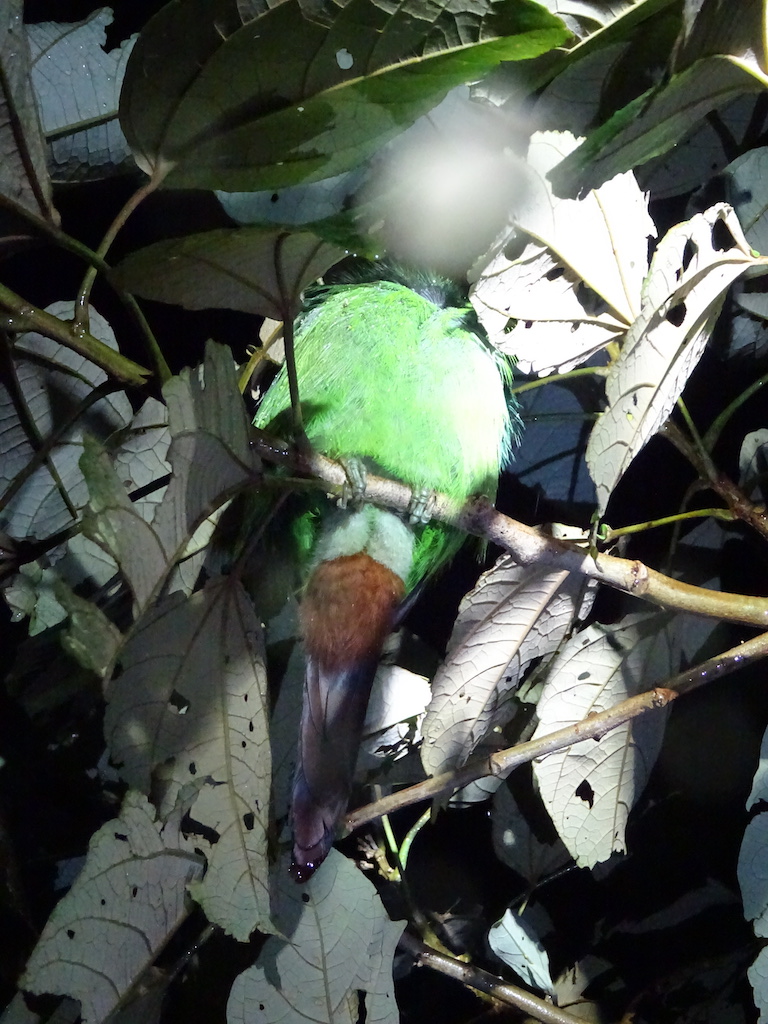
<point>533,546</point>
<point>27,317</point>
<point>593,727</point>
<point>485,982</point>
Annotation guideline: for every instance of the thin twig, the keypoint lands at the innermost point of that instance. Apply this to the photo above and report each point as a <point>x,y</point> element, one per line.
<point>592,727</point>
<point>483,981</point>
<point>734,497</point>
<point>30,318</point>
<point>533,546</point>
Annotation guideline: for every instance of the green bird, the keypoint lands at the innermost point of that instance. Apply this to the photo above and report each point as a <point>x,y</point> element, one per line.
<point>394,374</point>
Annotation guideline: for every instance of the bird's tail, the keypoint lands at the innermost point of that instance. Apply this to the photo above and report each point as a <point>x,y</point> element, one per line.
<point>349,608</point>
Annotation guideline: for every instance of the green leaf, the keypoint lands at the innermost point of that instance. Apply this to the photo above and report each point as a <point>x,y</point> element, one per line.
<point>219,106</point>
<point>254,269</point>
<point>656,121</point>
<point>90,638</point>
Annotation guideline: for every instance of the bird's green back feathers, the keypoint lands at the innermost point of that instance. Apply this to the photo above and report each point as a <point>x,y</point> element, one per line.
<point>388,376</point>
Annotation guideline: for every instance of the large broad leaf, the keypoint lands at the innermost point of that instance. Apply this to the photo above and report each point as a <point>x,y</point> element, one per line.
<point>336,954</point>
<point>691,271</point>
<point>210,455</point>
<point>590,787</point>
<point>230,106</point>
<point>254,269</point>
<point>576,285</point>
<point>188,714</point>
<point>657,120</point>
<point>539,310</point>
<point>130,895</point>
<point>512,616</point>
<point>23,175</point>
<point>78,87</point>
<point>45,411</point>
<point>518,846</point>
<point>716,58</point>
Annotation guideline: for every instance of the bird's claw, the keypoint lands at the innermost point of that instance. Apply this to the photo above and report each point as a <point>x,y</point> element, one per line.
<point>421,507</point>
<point>353,491</point>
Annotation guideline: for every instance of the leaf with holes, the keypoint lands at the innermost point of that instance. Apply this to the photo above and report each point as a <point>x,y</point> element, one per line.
<point>538,309</point>
<point>691,271</point>
<point>188,716</point>
<point>512,616</point>
<point>590,788</point>
<point>334,964</point>
<point>210,456</point>
<point>129,897</point>
<point>560,300</point>
<point>215,103</point>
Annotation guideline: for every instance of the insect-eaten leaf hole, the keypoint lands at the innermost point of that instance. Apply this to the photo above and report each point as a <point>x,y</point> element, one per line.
<point>689,252</point>
<point>178,703</point>
<point>585,792</point>
<point>676,315</point>
<point>191,827</point>
<point>722,239</point>
<point>248,820</point>
<point>592,303</point>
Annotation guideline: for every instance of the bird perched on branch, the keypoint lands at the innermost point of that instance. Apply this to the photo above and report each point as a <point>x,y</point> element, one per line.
<point>396,374</point>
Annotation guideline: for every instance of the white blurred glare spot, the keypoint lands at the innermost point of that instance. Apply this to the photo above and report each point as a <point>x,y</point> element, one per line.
<point>442,193</point>
<point>344,59</point>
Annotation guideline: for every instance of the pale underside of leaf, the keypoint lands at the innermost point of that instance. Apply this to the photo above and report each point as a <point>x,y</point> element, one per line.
<point>602,237</point>
<point>189,712</point>
<point>52,383</point>
<point>555,330</point>
<point>590,787</point>
<point>211,457</point>
<point>24,177</point>
<point>78,88</point>
<point>513,616</point>
<point>130,895</point>
<point>682,298</point>
<point>338,942</point>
